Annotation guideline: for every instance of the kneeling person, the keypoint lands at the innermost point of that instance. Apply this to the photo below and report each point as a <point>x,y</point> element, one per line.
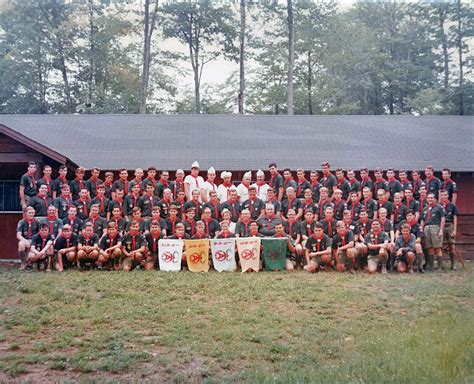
<point>133,247</point>
<point>65,246</point>
<point>405,250</point>
<point>111,247</point>
<point>87,245</point>
<point>377,243</point>
<point>343,248</point>
<point>317,249</point>
<point>42,247</point>
<point>152,239</point>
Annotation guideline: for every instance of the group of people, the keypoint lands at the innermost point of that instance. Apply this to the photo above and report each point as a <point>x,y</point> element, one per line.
<point>331,221</point>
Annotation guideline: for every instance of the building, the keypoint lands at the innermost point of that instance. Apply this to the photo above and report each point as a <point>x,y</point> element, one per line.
<point>235,143</point>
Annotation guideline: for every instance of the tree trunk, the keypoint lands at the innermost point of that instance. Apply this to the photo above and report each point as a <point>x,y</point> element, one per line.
<point>91,51</point>
<point>197,95</point>
<point>442,13</point>
<point>310,85</point>
<point>461,64</point>
<point>291,57</point>
<point>242,57</point>
<point>146,61</point>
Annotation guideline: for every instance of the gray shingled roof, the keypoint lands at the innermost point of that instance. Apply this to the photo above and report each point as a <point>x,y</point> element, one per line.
<point>236,142</point>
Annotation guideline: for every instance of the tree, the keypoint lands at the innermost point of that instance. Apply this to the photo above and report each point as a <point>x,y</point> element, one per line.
<point>291,56</point>
<point>149,27</point>
<point>207,30</point>
<point>243,24</point>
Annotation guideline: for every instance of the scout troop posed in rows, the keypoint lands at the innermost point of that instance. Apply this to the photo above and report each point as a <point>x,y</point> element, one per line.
<point>331,221</point>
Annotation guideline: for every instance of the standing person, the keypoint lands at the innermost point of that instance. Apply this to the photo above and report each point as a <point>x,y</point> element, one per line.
<point>342,184</point>
<point>194,203</point>
<point>119,221</point>
<point>214,205</point>
<point>415,230</point>
<point>366,181</point>
<point>172,221</point>
<point>25,230</point>
<point>78,183</point>
<point>403,177</point>
<point>417,183</point>
<point>394,186</point>
<point>450,228</point>
<point>276,181</point>
<point>261,186</point>
<point>82,204</point>
<point>63,201</point>
<point>99,223</point>
<point>432,183</point>
<point>28,185</point>
<point>150,179</point>
<point>302,183</point>
<point>338,203</point>
<point>271,199</point>
<point>167,200</point>
<point>291,202</point>
<point>178,183</point>
<point>291,261</point>
<point>60,181</point>
<point>164,183</point>
<point>41,202</point>
<point>380,182</point>
<point>433,221</point>
<point>315,185</point>
<point>193,182</point>
<point>233,205</point>
<point>411,203</point>
<point>121,183</point>
<point>450,186</point>
<point>254,204</point>
<point>399,209</point>
<point>149,200</point>
<point>101,201</point>
<point>354,183</point>
<point>117,202</point>
<point>93,183</point>
<point>72,220</point>
<point>308,202</point>
<point>180,201</point>
<point>324,202</point>
<point>131,201</point>
<point>223,190</point>
<point>137,180</point>
<point>328,180</point>
<point>243,187</point>
<point>47,180</point>
<point>108,182</point>
<point>354,205</point>
<point>288,181</point>
<point>208,185</point>
<point>328,222</point>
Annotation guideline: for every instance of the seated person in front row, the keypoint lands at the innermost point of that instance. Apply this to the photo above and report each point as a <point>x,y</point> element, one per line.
<point>111,247</point>
<point>66,248</point>
<point>42,249</point>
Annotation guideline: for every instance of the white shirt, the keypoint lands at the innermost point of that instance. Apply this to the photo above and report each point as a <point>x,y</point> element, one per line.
<point>208,187</point>
<point>194,183</point>
<point>262,191</point>
<point>243,192</point>
<point>223,192</point>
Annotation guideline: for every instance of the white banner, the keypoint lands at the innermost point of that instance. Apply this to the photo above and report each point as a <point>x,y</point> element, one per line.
<point>223,254</point>
<point>249,253</point>
<point>170,253</point>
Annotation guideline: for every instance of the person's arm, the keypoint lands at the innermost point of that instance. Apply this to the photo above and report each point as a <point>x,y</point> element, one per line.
<point>299,215</point>
<point>455,197</point>
<point>22,196</point>
<point>350,244</point>
<point>441,227</point>
<point>291,247</point>
<point>113,248</point>
<point>455,224</point>
<point>281,190</point>
<point>19,236</point>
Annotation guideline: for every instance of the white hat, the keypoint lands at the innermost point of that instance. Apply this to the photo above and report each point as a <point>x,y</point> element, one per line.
<point>211,170</point>
<point>179,171</point>
<point>245,211</point>
<point>195,165</point>
<point>248,174</point>
<point>260,173</point>
<point>225,174</point>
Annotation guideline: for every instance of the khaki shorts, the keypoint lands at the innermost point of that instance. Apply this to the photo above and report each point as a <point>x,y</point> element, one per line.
<point>432,239</point>
<point>448,234</point>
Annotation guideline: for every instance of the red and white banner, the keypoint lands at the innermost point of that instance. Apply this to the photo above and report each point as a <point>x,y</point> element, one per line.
<point>223,254</point>
<point>249,253</point>
<point>170,253</point>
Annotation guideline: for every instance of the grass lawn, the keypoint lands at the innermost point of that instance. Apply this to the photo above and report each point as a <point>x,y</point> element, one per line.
<point>265,327</point>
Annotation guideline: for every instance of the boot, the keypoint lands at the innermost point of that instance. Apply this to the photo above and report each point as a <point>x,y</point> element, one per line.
<point>440,263</point>
<point>452,257</point>
<point>22,256</point>
<point>429,263</point>
<point>421,261</point>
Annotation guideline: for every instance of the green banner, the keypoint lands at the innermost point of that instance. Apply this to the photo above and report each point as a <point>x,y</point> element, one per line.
<point>274,254</point>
